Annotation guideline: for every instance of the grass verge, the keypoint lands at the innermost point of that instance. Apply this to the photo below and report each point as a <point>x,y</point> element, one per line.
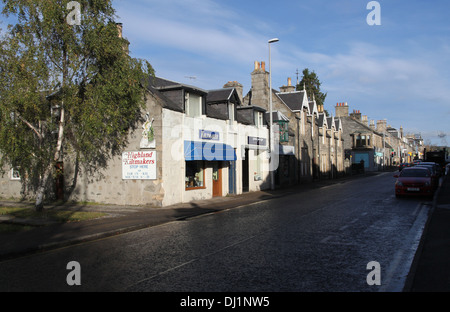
<point>61,216</point>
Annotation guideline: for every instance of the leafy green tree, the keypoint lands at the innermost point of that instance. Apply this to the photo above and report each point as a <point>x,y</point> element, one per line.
<point>311,83</point>
<point>66,88</point>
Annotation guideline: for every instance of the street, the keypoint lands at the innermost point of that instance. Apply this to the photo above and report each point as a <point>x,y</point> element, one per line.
<point>319,240</point>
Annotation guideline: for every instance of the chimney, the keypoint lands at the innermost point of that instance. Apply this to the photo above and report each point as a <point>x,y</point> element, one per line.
<point>341,110</point>
<point>364,120</point>
<point>381,125</point>
<point>320,109</point>
<point>372,124</point>
<point>126,45</point>
<point>260,86</point>
<point>263,66</point>
<point>289,87</point>
<point>356,115</point>
<point>120,29</point>
<point>239,88</point>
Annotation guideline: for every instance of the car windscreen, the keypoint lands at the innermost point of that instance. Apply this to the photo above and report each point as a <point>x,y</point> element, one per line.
<point>415,173</point>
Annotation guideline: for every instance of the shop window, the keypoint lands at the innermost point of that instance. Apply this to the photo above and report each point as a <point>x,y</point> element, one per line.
<point>257,175</point>
<point>195,175</point>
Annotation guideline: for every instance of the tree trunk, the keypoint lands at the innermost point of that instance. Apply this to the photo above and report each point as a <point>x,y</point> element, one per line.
<point>39,205</point>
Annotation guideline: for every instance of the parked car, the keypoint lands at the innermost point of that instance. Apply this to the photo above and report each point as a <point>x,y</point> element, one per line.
<point>414,181</point>
<point>437,167</point>
<point>403,165</point>
<point>434,173</point>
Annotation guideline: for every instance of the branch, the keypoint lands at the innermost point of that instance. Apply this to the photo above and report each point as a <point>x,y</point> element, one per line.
<point>31,126</point>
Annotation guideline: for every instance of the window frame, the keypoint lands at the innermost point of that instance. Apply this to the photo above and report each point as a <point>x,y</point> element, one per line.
<point>200,163</point>
<point>13,177</point>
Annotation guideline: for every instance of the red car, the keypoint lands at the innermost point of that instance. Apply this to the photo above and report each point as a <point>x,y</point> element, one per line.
<point>414,181</point>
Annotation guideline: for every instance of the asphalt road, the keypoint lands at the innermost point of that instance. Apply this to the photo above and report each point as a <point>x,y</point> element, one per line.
<point>318,240</point>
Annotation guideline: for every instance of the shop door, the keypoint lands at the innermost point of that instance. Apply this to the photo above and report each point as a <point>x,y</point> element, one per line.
<point>217,179</point>
<point>245,173</point>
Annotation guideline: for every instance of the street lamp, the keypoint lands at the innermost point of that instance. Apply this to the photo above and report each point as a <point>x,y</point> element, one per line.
<point>272,180</point>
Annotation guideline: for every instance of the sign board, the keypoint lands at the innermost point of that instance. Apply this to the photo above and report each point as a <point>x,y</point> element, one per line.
<point>209,135</point>
<point>257,141</point>
<point>139,165</point>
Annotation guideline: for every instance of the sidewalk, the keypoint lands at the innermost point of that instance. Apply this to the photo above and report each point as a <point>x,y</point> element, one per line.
<point>431,267</point>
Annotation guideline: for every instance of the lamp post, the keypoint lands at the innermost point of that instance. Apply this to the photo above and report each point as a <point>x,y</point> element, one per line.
<point>272,180</point>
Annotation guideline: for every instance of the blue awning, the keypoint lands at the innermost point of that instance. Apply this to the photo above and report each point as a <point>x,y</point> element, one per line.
<point>208,151</point>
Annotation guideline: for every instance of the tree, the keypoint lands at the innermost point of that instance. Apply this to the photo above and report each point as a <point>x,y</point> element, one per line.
<point>310,82</point>
<point>65,88</point>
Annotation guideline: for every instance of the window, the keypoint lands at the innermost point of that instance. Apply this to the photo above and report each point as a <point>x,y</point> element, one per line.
<point>358,141</point>
<point>193,105</point>
<point>15,174</point>
<point>284,131</point>
<point>231,112</point>
<point>195,175</point>
<point>259,119</point>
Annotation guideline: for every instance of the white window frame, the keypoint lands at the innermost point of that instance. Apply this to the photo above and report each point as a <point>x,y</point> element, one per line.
<point>231,112</point>
<point>14,177</point>
<point>189,105</point>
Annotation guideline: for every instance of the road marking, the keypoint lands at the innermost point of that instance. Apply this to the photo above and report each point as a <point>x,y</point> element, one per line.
<point>415,210</point>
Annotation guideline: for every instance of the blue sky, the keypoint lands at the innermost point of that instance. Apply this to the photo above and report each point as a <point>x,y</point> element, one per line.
<point>397,71</point>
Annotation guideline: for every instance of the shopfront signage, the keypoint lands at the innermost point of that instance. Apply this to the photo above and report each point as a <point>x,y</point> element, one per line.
<point>257,141</point>
<point>209,135</point>
<point>139,165</point>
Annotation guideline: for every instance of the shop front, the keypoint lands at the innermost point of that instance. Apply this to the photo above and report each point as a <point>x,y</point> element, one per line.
<point>208,165</point>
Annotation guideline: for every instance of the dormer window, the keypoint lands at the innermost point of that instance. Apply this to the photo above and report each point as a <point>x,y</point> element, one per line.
<point>259,119</point>
<point>193,105</point>
<point>231,112</point>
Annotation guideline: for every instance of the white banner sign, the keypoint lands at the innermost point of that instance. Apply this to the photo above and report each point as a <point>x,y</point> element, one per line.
<point>139,166</point>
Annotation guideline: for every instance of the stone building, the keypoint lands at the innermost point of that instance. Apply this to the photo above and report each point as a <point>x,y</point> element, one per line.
<point>378,144</point>
<point>309,146</point>
<point>192,144</point>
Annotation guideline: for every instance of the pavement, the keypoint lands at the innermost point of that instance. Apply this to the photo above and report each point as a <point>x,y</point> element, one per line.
<point>430,270</point>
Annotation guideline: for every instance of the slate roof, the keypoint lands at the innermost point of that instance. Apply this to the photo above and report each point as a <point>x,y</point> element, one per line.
<point>165,84</point>
<point>276,116</point>
<point>293,100</point>
<point>222,96</point>
<point>322,119</point>
<point>330,122</point>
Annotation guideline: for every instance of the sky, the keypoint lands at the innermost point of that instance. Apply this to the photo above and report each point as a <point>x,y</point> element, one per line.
<point>398,70</point>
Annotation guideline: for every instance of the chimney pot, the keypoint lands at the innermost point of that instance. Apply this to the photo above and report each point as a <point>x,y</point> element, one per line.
<point>289,82</point>
<point>120,29</point>
<point>256,65</point>
<point>263,66</point>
